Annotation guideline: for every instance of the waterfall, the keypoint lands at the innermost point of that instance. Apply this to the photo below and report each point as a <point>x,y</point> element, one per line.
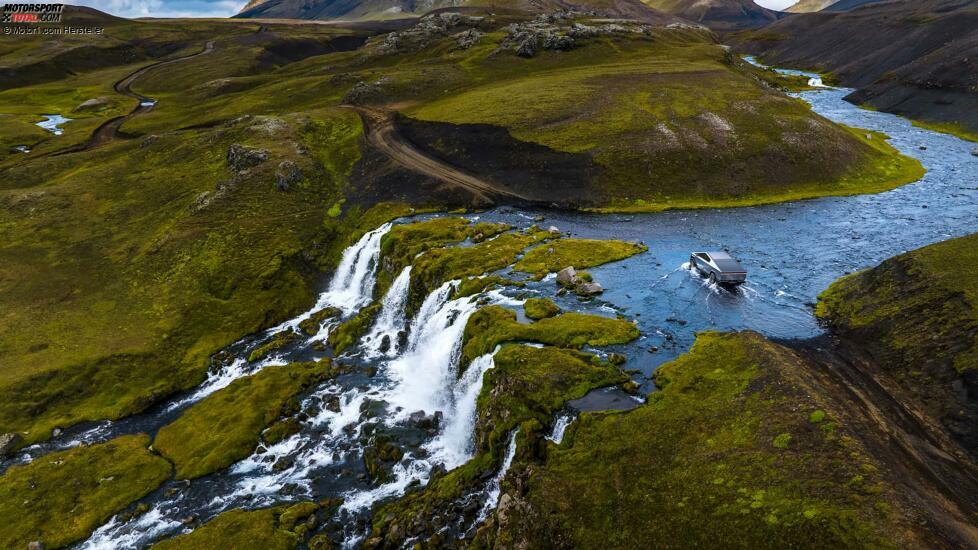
<point>560,425</point>
<point>390,322</point>
<point>456,445</point>
<point>492,493</point>
<point>423,377</point>
<point>353,282</point>
<point>352,285</point>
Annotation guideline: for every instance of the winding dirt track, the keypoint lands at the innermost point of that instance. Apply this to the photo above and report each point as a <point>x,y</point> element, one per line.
<point>109,130</point>
<point>383,135</point>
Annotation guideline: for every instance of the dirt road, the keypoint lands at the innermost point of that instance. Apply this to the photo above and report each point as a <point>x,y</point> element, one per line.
<point>110,129</point>
<point>382,133</point>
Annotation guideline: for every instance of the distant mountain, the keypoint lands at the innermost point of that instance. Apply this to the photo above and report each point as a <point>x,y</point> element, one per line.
<point>846,5</point>
<point>719,14</point>
<point>917,58</point>
<point>805,6</point>
<point>358,10</point>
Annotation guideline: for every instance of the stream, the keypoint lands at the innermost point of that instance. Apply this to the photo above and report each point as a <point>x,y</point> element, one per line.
<point>792,252</point>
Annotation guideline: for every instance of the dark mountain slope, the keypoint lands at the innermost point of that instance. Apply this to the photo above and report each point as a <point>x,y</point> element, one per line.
<point>719,14</point>
<point>392,9</point>
<point>918,59</point>
<point>846,5</point>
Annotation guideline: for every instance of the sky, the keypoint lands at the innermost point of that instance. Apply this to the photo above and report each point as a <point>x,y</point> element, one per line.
<point>226,8</point>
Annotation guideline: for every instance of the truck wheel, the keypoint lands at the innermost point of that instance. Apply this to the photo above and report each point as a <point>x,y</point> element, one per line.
<point>713,278</point>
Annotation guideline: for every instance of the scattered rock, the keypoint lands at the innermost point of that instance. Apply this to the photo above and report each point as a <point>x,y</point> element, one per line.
<point>35,545</point>
<point>554,232</point>
<point>8,442</point>
<point>283,463</point>
<point>287,175</point>
<point>466,39</point>
<point>566,276</point>
<point>589,289</point>
<point>241,158</point>
<point>56,432</point>
<point>385,343</point>
<point>363,93</point>
<point>975,151</point>
<point>617,359</point>
<point>93,104</point>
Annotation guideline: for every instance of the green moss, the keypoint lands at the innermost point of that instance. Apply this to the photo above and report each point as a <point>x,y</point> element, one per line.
<point>278,528</point>
<point>493,325</point>
<point>816,416</point>
<point>487,230</point>
<point>437,266</point>
<point>62,497</point>
<point>225,426</point>
<point>701,453</point>
<point>405,241</point>
<point>311,325</point>
<point>577,253</point>
<point>540,308</point>
<point>953,128</point>
<point>277,342</point>
<point>350,331</point>
<point>475,285</point>
<point>782,441</point>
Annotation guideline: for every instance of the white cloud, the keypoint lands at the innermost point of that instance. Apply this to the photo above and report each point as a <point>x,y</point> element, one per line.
<point>165,8</point>
<point>776,4</point>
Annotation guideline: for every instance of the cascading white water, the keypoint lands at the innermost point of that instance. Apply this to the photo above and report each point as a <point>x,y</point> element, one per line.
<point>455,445</point>
<point>560,426</point>
<point>391,319</point>
<point>492,493</point>
<point>352,285</point>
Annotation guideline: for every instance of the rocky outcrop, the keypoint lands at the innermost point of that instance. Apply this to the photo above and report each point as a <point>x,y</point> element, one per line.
<point>558,32</point>
<point>240,157</point>
<point>578,282</point>
<point>287,175</point>
<point>9,442</point>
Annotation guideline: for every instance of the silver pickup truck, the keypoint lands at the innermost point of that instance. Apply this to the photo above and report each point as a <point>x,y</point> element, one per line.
<point>720,267</point>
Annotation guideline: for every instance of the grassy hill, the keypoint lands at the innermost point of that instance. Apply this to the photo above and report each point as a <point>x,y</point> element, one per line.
<point>917,315</point>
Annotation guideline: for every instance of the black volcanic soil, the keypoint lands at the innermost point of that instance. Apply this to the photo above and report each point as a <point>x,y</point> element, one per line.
<point>917,59</point>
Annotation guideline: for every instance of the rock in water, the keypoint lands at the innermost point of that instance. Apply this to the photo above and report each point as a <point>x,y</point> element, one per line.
<point>566,276</point>
<point>385,343</point>
<point>8,442</point>
<point>975,151</point>
<point>589,289</point>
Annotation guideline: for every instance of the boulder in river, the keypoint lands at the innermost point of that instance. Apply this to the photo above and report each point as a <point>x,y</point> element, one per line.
<point>589,289</point>
<point>8,442</point>
<point>566,276</point>
<point>975,151</point>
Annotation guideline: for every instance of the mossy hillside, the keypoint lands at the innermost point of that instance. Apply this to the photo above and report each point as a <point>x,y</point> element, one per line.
<point>225,427</point>
<point>577,253</point>
<point>277,528</point>
<point>166,256</point>
<point>540,308</point>
<point>62,497</point>
<point>713,145</point>
<point>494,325</point>
<point>524,390</point>
<point>917,315</point>
<point>726,443</point>
<point>475,285</point>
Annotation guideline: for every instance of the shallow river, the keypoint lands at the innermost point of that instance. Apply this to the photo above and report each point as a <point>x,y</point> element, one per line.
<point>792,252</point>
